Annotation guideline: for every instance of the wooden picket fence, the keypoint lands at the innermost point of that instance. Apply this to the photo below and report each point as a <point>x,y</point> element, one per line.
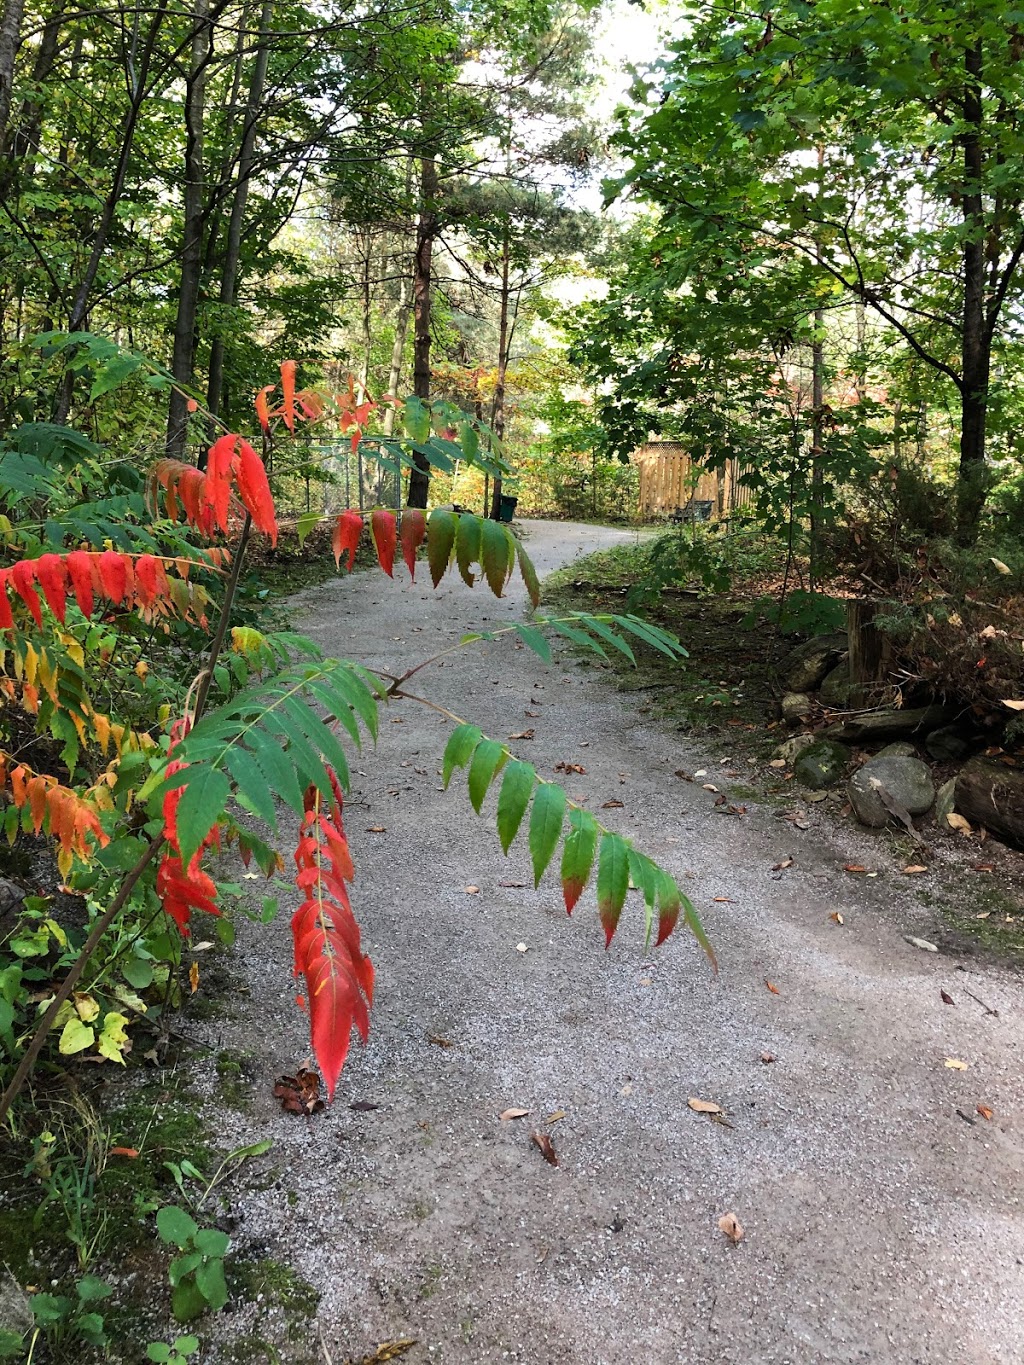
<point>670,483</point>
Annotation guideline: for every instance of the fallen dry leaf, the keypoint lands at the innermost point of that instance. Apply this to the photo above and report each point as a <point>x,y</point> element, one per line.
<point>299,1094</point>
<point>709,786</point>
<point>130,1152</point>
<point>983,914</point>
<point>772,987</point>
<point>957,822</point>
<point>704,1106</point>
<point>777,763</point>
<point>984,1111</point>
<point>946,998</point>
<point>569,768</point>
<point>546,1147</point>
<point>554,1118</point>
<point>835,915</point>
<point>983,867</point>
<point>921,943</point>
<point>914,869</point>
<point>611,805</point>
<point>1014,705</point>
<point>471,890</point>
<point>786,862</point>
<point>507,1114</point>
<point>376,829</point>
<point>955,1064</point>
<point>732,1227</point>
<point>681,772</point>
<point>522,948</point>
<point>363,1106</point>
<point>767,1057</point>
<point>193,977</point>
<point>853,867</point>
<point>387,1350</point>
<point>532,714</point>
<point>724,900</point>
<point>438,1041</point>
<point>523,734</point>
<point>517,884</point>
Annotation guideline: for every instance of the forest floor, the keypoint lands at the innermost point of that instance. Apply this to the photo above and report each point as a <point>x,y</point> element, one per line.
<point>881,1208</point>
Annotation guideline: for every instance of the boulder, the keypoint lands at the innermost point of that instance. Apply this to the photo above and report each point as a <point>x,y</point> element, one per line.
<point>947,745</point>
<point>907,782</point>
<point>836,688</point>
<point>809,662</point>
<point>796,707</point>
<point>821,764</point>
<point>899,748</point>
<point>15,1307</point>
<point>790,749</point>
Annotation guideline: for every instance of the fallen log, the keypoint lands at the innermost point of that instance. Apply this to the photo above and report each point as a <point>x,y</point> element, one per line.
<point>992,795</point>
<point>870,725</point>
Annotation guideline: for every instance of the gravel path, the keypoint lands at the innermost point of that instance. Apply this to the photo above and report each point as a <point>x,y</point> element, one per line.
<point>882,1213</point>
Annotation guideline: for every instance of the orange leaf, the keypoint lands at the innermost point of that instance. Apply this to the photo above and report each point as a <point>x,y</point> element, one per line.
<point>772,987</point>
<point>220,462</point>
<point>254,490</point>
<point>130,1152</point>
<point>262,409</point>
<point>984,1111</point>
<point>288,393</point>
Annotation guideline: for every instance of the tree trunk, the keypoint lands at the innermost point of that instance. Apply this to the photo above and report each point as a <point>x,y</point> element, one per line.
<point>426,228</point>
<point>233,245</point>
<point>183,354</point>
<point>397,354</point>
<point>498,405</point>
<point>10,39</point>
<point>993,796</point>
<point>870,654</point>
<point>977,338</point>
<point>817,415</point>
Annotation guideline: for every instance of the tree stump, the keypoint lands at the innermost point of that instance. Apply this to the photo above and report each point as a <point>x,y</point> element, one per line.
<point>870,653</point>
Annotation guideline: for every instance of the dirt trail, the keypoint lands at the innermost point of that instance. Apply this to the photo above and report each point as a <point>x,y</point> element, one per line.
<point>881,1225</point>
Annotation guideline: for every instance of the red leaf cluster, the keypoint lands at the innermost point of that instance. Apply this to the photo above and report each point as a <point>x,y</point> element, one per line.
<point>126,581</point>
<point>204,497</point>
<point>338,976</point>
<point>384,532</point>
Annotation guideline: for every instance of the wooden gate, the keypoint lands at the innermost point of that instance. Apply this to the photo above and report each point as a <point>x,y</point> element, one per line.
<point>670,482</point>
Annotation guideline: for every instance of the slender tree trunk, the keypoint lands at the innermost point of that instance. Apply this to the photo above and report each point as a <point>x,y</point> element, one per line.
<point>498,405</point>
<point>183,353</point>
<point>817,414</point>
<point>977,336</point>
<point>426,228</point>
<point>233,246</point>
<point>10,39</point>
<point>397,352</point>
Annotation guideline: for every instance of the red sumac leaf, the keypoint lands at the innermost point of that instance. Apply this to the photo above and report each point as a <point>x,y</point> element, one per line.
<point>6,618</point>
<point>79,566</point>
<point>254,490</point>
<point>217,486</point>
<point>23,576</point>
<point>385,538</point>
<point>113,575</point>
<point>262,410</point>
<point>288,393</point>
<point>412,531</point>
<point>345,540</point>
<point>53,580</point>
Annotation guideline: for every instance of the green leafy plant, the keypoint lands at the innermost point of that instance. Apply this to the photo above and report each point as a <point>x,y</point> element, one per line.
<point>60,1319</point>
<point>197,1275</point>
<point>178,1351</point>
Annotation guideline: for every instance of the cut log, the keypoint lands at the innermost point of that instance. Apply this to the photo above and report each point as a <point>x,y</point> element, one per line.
<point>873,725</point>
<point>992,795</point>
<point>870,654</point>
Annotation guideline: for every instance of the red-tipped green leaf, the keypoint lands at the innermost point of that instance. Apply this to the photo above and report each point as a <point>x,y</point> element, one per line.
<point>467,546</point>
<point>497,555</point>
<point>578,856</point>
<point>345,540</point>
<point>612,882</point>
<point>385,539</point>
<point>441,530</point>
<point>529,574</point>
<point>546,817</point>
<point>411,532</point>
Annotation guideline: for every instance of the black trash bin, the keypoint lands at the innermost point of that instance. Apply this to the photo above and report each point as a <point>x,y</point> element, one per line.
<point>506,507</point>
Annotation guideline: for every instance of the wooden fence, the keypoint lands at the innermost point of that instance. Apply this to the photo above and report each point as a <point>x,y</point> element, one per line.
<point>669,480</point>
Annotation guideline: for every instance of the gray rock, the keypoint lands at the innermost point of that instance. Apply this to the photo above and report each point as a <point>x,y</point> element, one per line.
<point>836,687</point>
<point>15,1310</point>
<point>863,729</point>
<point>821,764</point>
<point>809,663</point>
<point>945,802</point>
<point>899,748</point>
<point>907,781</point>
<point>12,896</point>
<point>791,749</point>
<point>947,745</point>
<point>796,707</point>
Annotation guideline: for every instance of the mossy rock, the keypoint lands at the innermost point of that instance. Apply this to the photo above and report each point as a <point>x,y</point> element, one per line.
<point>822,764</point>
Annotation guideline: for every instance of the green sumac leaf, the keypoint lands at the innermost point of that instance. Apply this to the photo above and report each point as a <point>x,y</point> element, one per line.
<point>497,555</point>
<point>201,805</point>
<point>308,522</point>
<point>459,749</point>
<point>252,790</point>
<point>488,758</point>
<point>697,930</point>
<point>599,628</point>
<point>546,819</point>
<point>469,441</point>
<point>532,637</point>
<point>416,418</point>
<point>468,546</point>
<point>278,771</point>
<point>516,789</point>
<point>670,902</point>
<point>441,530</point>
<point>578,856</point>
<point>529,574</point>
<point>612,882</point>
